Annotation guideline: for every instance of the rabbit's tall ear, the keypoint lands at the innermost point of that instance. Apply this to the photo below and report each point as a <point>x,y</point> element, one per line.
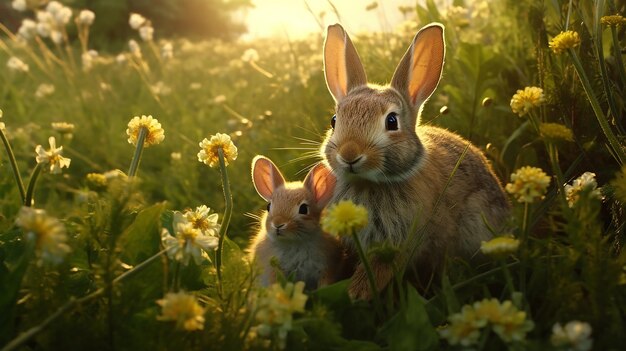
<point>321,183</point>
<point>419,71</point>
<point>342,65</point>
<point>266,177</point>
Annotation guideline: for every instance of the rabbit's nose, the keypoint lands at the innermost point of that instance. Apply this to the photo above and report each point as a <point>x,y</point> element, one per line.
<point>349,153</point>
<point>278,226</point>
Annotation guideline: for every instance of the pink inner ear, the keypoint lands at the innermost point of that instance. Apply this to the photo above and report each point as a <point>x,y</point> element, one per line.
<point>321,183</point>
<point>266,177</point>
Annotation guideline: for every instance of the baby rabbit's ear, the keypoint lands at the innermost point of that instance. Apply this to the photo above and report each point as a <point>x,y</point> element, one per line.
<point>321,183</point>
<point>419,71</point>
<point>266,177</point>
<point>342,65</point>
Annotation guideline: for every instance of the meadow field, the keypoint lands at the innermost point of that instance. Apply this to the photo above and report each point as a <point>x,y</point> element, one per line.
<point>92,255</point>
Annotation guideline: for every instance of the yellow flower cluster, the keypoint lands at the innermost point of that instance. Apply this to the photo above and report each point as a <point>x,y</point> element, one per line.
<point>276,308</point>
<point>528,184</point>
<point>509,323</point>
<point>52,157</point>
<point>182,308</point>
<point>155,134</point>
<point>344,218</point>
<point>586,181</point>
<point>47,232</point>
<point>563,41</point>
<point>209,150</point>
<point>613,20</point>
<point>576,335</point>
<point>555,132</point>
<point>525,100</point>
<point>190,239</point>
<point>499,247</point>
<point>63,127</point>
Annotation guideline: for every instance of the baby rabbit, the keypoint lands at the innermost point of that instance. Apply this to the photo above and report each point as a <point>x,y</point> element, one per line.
<point>401,171</point>
<point>290,231</point>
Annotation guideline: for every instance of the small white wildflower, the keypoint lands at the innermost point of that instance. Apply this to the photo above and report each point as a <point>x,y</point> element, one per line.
<point>53,157</point>
<point>88,59</point>
<point>220,99</point>
<point>54,7</point>
<point>56,37</point>
<point>44,90</point>
<point>586,180</point>
<point>63,16</point>
<point>19,5</point>
<point>44,28</point>
<point>250,55</point>
<point>120,59</point>
<point>15,64</point>
<point>146,33</point>
<point>167,51</point>
<point>86,17</point>
<point>28,29</point>
<point>134,48</point>
<point>136,20</point>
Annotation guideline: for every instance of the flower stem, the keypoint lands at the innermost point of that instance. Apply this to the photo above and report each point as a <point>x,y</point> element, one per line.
<point>618,151</point>
<point>30,191</point>
<point>524,249</point>
<point>134,164</point>
<point>507,277</point>
<point>368,271</point>
<point>16,171</point>
<point>73,303</point>
<point>228,198</point>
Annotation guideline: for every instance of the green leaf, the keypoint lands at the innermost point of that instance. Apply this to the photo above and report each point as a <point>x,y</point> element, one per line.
<point>411,328</point>
<point>142,238</point>
<point>448,293</point>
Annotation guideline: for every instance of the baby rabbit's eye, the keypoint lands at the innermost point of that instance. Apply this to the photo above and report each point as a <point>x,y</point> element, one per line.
<point>269,204</point>
<point>304,209</point>
<point>392,121</point>
<point>332,121</point>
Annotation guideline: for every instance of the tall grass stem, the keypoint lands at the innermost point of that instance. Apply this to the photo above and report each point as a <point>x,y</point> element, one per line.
<point>13,162</point>
<point>134,163</point>
<point>30,191</point>
<point>228,199</point>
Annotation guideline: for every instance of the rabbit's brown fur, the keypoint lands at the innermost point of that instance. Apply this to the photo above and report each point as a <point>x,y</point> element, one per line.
<point>401,174</point>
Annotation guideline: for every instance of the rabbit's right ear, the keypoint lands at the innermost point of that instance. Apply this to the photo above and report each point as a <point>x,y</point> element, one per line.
<point>342,65</point>
<point>266,177</point>
<point>321,183</point>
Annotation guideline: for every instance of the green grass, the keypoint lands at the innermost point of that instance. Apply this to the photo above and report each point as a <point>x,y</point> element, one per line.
<point>570,265</point>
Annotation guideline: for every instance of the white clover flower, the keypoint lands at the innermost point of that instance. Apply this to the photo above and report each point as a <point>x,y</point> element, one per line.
<point>586,180</point>
<point>146,33</point>
<point>86,17</point>
<point>19,5</point>
<point>44,90</point>
<point>28,29</point>
<point>63,16</point>
<point>576,336</point>
<point>136,20</point>
<point>53,7</point>
<point>134,48</point>
<point>15,64</point>
<point>120,59</point>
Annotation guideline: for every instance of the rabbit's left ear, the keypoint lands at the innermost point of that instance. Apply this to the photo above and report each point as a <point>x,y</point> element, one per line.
<point>321,183</point>
<point>419,71</point>
<point>342,65</point>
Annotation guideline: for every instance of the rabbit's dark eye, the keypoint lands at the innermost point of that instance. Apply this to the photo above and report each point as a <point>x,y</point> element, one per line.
<point>392,121</point>
<point>332,121</point>
<point>269,205</point>
<point>304,209</point>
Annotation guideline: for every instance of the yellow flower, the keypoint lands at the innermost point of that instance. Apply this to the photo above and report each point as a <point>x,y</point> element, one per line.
<point>575,336</point>
<point>52,157</point>
<point>464,327</point>
<point>183,309</point>
<point>47,232</point>
<point>528,184</point>
<point>97,180</point>
<point>563,41</point>
<point>586,180</point>
<point>619,185</point>
<point>499,247</point>
<point>614,20</point>
<point>344,218</point>
<point>209,150</point>
<point>505,319</point>
<point>204,221</point>
<point>524,100</point>
<point>155,134</point>
<point>276,307</point>
<point>188,241</point>
<point>63,127</point>
<point>556,132</point>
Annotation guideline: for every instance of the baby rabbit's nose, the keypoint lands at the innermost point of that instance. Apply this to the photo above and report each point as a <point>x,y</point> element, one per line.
<point>278,226</point>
